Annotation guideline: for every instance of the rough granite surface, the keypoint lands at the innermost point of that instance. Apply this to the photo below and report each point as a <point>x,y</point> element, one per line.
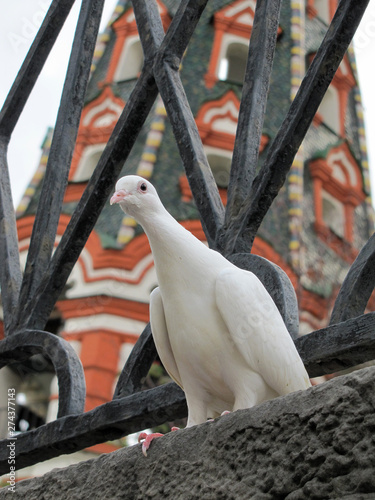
<point>316,444</point>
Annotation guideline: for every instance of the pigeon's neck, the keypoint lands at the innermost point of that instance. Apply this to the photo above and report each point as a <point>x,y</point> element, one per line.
<point>169,241</point>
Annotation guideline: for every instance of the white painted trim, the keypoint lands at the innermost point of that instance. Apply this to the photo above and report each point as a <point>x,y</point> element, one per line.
<point>106,104</point>
<point>238,7</point>
<point>104,322</point>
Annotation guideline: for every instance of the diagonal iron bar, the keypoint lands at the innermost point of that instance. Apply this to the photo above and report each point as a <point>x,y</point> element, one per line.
<point>96,194</point>
<point>39,307</point>
<point>10,275</point>
<point>150,28</point>
<point>33,65</point>
<point>110,421</point>
<point>62,148</point>
<point>166,72</point>
<point>338,347</point>
<point>253,104</point>
<point>241,230</point>
<point>137,365</point>
<point>67,365</point>
<point>357,286</point>
<point>199,174</point>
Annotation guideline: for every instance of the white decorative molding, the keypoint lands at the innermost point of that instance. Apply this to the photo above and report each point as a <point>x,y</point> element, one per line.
<point>104,322</point>
<point>114,111</point>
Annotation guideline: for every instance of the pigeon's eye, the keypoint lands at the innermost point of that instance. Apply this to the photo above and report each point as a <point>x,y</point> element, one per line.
<point>143,187</point>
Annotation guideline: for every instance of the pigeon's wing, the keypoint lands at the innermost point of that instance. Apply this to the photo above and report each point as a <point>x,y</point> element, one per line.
<point>161,337</point>
<point>258,331</point>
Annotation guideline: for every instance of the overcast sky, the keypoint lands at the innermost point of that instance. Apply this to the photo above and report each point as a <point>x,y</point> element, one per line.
<point>19,22</point>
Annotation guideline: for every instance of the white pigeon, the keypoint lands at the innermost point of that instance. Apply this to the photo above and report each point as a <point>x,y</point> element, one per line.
<point>217,331</point>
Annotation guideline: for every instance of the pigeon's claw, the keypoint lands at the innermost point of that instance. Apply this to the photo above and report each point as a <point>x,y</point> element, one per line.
<point>222,414</point>
<point>146,440</point>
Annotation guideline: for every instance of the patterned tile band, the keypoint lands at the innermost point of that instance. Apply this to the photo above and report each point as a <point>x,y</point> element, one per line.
<point>146,164</point>
<point>295,181</point>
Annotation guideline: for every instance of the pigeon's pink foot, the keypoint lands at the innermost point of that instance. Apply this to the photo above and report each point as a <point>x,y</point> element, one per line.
<point>148,438</point>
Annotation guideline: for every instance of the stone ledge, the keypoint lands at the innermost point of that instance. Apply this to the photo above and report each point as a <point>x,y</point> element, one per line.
<point>316,444</point>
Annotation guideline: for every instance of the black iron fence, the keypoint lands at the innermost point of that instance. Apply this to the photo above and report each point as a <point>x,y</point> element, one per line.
<point>29,297</point>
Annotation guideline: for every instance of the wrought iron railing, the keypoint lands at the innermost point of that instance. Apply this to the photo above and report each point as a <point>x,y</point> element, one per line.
<point>28,298</point>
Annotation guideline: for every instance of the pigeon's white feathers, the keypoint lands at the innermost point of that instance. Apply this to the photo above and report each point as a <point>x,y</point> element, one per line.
<point>161,337</point>
<point>259,332</point>
<point>218,332</point>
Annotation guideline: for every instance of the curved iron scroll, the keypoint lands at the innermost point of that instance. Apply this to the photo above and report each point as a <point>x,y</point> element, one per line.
<point>137,365</point>
<point>357,286</point>
<point>276,283</point>
<point>28,300</point>
<point>68,367</point>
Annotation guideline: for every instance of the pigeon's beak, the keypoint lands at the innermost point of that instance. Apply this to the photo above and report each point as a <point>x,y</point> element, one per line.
<point>118,196</point>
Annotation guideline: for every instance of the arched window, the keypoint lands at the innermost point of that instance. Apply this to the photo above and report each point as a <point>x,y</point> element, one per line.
<point>323,9</point>
<point>333,214</point>
<point>220,163</point>
<point>131,60</point>
<point>233,66</point>
<point>333,108</point>
<point>127,56</point>
<point>329,109</point>
<point>97,122</point>
<point>338,190</point>
<point>89,160</point>
<point>233,25</point>
<point>217,124</point>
